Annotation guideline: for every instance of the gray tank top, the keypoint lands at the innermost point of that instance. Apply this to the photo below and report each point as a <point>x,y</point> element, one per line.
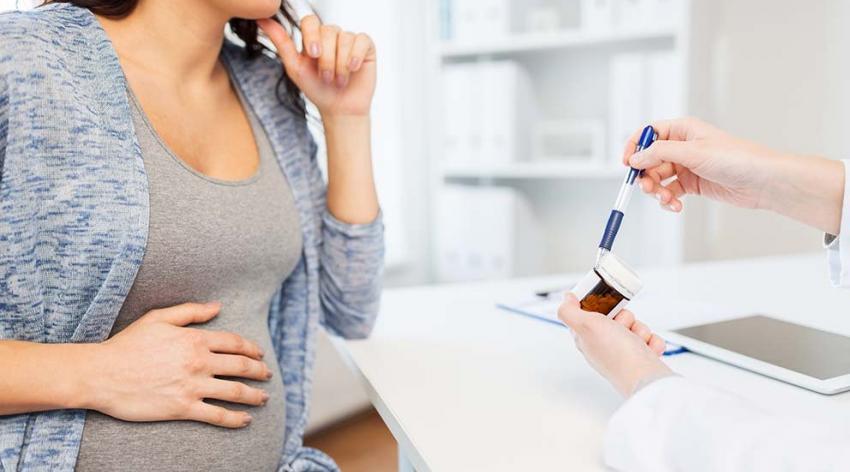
<point>209,240</point>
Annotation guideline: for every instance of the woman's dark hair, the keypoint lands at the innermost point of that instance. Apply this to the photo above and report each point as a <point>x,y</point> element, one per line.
<point>247,30</point>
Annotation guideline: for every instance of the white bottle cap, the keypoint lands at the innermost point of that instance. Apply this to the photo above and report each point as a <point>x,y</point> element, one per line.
<point>618,275</point>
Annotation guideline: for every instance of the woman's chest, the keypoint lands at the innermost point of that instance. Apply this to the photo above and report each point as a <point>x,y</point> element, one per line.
<point>213,240</point>
<point>210,131</point>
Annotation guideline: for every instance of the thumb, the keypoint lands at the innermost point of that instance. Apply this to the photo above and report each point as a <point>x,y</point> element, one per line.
<point>282,42</point>
<point>685,153</point>
<point>570,312</point>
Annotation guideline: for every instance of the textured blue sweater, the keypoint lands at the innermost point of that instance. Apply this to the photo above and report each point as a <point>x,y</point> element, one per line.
<point>74,220</point>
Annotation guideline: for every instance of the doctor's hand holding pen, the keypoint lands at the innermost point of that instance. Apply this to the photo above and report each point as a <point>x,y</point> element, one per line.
<point>693,157</point>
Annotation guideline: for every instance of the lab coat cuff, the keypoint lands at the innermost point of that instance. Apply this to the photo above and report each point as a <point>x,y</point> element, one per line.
<point>838,246</point>
<point>646,381</point>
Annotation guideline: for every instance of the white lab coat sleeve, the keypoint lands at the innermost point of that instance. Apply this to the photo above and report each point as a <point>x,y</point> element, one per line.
<point>838,247</point>
<point>674,424</point>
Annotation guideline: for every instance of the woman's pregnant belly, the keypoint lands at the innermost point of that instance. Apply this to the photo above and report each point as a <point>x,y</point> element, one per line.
<point>110,444</point>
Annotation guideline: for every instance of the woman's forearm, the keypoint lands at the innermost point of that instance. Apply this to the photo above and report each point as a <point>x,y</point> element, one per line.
<point>41,377</point>
<point>809,190</point>
<point>351,187</point>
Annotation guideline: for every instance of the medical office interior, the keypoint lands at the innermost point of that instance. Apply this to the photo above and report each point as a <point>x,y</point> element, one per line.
<point>499,128</point>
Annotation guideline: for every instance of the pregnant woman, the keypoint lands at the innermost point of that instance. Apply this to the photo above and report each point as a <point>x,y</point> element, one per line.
<point>168,245</point>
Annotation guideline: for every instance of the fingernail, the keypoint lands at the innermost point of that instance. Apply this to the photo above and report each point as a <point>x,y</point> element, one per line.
<point>247,420</point>
<point>265,397</point>
<point>262,353</point>
<point>327,76</point>
<point>354,64</point>
<point>213,305</point>
<point>342,81</point>
<point>635,158</point>
<point>659,197</point>
<point>315,50</point>
<point>269,374</point>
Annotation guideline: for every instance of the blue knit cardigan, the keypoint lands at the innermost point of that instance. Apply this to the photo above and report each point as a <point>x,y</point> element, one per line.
<point>74,220</point>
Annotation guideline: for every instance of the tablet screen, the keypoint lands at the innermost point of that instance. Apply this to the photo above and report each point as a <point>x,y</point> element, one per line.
<point>808,351</point>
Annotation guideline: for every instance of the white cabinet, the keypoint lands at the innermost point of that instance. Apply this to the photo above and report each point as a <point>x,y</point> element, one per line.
<point>611,67</point>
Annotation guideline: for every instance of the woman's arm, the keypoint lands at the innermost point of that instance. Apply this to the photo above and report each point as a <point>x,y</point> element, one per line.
<point>40,377</point>
<point>154,370</point>
<point>351,187</point>
<point>337,73</point>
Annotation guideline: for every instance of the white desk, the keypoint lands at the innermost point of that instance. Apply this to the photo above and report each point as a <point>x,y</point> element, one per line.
<point>464,386</point>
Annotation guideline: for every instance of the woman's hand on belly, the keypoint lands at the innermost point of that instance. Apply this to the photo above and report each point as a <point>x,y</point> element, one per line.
<point>159,369</point>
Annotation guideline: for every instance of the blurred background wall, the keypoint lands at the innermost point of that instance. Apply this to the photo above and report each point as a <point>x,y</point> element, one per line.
<point>775,72</point>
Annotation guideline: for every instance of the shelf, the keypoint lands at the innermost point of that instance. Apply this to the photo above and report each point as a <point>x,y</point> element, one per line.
<point>531,42</point>
<point>534,170</point>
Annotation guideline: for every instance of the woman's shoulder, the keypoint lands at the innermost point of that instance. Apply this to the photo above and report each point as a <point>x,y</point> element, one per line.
<point>32,37</point>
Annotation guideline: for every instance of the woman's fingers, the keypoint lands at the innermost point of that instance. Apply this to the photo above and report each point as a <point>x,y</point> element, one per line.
<point>344,46</point>
<point>338,54</point>
<point>185,313</point>
<point>327,61</point>
<point>218,416</point>
<point>231,343</point>
<point>362,51</point>
<point>234,392</point>
<point>312,36</point>
<point>283,43</point>
<point>231,365</point>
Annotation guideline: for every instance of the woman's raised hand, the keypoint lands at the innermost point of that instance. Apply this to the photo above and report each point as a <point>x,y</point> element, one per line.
<point>159,369</point>
<point>336,69</point>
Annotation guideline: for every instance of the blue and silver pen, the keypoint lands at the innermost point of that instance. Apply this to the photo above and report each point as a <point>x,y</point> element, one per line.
<point>647,137</point>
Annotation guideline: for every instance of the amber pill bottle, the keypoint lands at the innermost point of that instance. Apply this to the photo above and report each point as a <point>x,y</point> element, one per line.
<point>608,287</point>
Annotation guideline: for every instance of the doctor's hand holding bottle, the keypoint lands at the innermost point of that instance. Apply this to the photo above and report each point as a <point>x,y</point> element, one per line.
<point>693,157</point>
